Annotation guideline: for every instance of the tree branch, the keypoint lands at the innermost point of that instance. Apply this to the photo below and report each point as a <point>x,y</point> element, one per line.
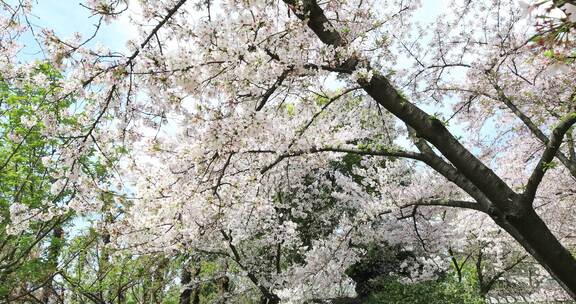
<point>449,172</point>
<point>322,109</point>
<point>383,152</point>
<point>314,16</point>
<point>493,280</point>
<point>544,163</point>
<point>155,30</point>
<point>273,88</point>
<point>428,127</point>
<point>236,256</point>
<point>569,163</point>
<point>443,202</point>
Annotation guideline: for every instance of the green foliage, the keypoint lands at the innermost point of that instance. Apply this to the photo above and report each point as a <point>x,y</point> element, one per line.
<point>549,165</point>
<point>443,291</point>
<point>548,53</point>
<point>94,272</point>
<point>376,284</point>
<point>321,100</point>
<point>290,108</point>
<point>28,256</point>
<point>30,112</point>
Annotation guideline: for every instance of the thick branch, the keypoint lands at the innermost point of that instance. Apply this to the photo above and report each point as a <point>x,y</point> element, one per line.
<point>433,131</point>
<point>446,203</point>
<point>383,152</point>
<point>311,12</point>
<point>236,255</point>
<point>428,127</point>
<point>569,163</point>
<point>545,161</point>
<point>273,88</point>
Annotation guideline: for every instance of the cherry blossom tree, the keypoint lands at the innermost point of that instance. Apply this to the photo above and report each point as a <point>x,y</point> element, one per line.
<point>239,115</point>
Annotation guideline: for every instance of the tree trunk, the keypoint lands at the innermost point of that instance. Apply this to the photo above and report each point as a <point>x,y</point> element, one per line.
<point>223,283</point>
<point>48,291</point>
<point>158,280</point>
<point>185,279</point>
<point>190,294</point>
<point>517,217</point>
<point>503,204</point>
<point>533,234</point>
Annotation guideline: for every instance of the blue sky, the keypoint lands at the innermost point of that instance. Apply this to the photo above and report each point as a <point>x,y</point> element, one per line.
<point>66,17</point>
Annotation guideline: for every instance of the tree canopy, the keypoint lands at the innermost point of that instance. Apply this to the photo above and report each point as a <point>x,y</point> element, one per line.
<point>297,151</point>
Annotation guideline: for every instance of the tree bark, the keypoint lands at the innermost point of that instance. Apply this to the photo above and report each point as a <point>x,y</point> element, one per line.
<point>190,294</point>
<point>185,280</point>
<point>48,291</point>
<point>509,210</point>
<point>533,234</point>
<point>223,283</point>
